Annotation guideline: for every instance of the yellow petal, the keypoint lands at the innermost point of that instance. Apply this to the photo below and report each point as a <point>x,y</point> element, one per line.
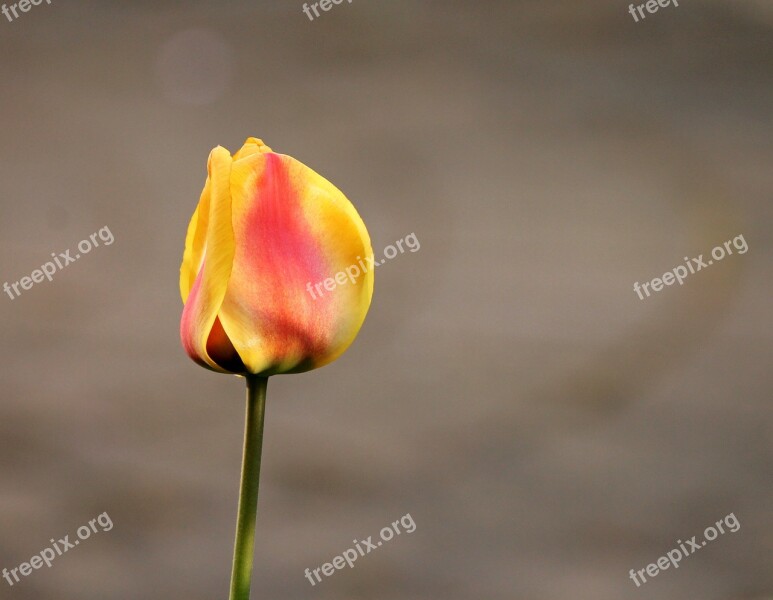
<point>209,287</point>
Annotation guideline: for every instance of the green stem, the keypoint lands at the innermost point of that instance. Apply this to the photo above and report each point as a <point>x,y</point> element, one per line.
<point>244,547</point>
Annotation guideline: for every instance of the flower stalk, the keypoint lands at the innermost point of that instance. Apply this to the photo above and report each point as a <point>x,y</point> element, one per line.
<point>244,546</point>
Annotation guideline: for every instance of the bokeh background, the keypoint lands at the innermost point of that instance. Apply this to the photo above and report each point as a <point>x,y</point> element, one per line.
<point>545,428</point>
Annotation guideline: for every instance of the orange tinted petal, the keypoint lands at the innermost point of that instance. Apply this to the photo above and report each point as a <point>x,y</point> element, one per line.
<point>293,229</point>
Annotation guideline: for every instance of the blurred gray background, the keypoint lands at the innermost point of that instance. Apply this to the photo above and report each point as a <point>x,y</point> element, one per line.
<point>545,428</point>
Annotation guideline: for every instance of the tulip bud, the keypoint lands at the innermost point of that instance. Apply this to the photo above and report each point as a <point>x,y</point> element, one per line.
<point>267,228</point>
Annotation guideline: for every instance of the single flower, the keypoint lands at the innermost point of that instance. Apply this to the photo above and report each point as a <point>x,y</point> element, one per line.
<point>266,227</point>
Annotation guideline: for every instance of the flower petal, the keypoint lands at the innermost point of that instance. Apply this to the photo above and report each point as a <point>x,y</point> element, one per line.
<point>293,229</point>
<point>195,243</point>
<point>210,241</point>
<point>250,147</point>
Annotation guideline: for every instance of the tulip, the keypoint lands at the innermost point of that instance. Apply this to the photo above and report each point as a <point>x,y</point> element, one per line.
<point>265,228</point>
